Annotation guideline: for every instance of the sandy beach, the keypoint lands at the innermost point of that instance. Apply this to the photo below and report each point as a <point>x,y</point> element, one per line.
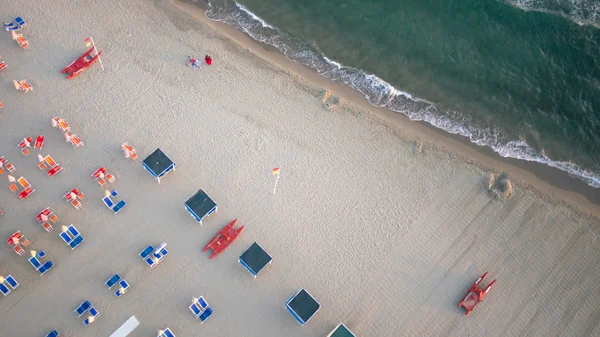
<point>386,222</point>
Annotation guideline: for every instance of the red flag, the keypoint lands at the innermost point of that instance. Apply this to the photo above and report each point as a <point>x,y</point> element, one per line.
<point>88,41</point>
<point>276,170</point>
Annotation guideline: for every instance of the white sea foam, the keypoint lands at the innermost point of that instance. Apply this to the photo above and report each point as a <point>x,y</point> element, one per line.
<point>382,94</point>
<point>582,12</point>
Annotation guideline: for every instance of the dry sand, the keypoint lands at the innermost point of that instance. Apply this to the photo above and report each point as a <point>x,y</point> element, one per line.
<point>386,236</point>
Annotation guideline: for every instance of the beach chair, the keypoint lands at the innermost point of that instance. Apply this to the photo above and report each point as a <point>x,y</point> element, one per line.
<point>48,227</point>
<point>39,142</point>
<point>54,171</point>
<point>22,42</point>
<point>167,333</point>
<point>76,242</point>
<point>35,263</point>
<point>119,206</point>
<point>11,282</point>
<point>73,231</point>
<point>4,289</point>
<point>42,166</point>
<point>76,204</point>
<point>10,167</point>
<point>20,22</point>
<point>112,280</point>
<point>81,309</point>
<point>76,141</point>
<point>19,250</point>
<point>13,187</point>
<point>2,66</point>
<point>110,178</point>
<point>66,238</point>
<point>108,202</point>
<point>41,254</point>
<point>23,182</point>
<point>124,286</point>
<point>24,241</point>
<point>45,267</point>
<point>93,313</point>
<point>50,161</point>
<point>53,333</point>
<point>11,26</point>
<point>53,217</point>
<point>26,193</point>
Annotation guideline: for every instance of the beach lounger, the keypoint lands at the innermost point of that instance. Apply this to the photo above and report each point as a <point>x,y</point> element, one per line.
<point>13,187</point>
<point>50,161</point>
<point>119,206</point>
<point>4,289</point>
<point>108,202</point>
<point>24,241</point>
<point>35,263</point>
<point>20,22</point>
<point>94,313</point>
<point>11,26</point>
<point>19,250</point>
<point>11,282</point>
<point>76,204</point>
<point>205,315</point>
<point>23,182</point>
<point>195,309</point>
<point>83,308</point>
<point>167,333</point>
<point>45,267</point>
<point>124,285</point>
<point>76,242</point>
<point>10,167</point>
<point>73,230</point>
<point>76,141</point>
<point>112,280</point>
<point>55,170</point>
<point>147,251</point>
<point>26,193</point>
<point>66,238</point>
<point>42,166</point>
<point>48,227</point>
<point>53,217</point>
<point>53,333</point>
<point>39,142</point>
<point>110,178</point>
<point>41,254</point>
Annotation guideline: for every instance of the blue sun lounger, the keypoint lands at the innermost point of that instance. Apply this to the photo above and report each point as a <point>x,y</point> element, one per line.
<point>167,333</point>
<point>20,22</point>
<point>83,308</point>
<point>94,313</point>
<point>11,26</point>
<point>11,282</point>
<point>108,202</point>
<point>112,281</point>
<point>119,206</point>
<point>54,333</point>
<point>76,242</point>
<point>4,289</point>
<point>45,267</point>
<point>123,285</point>
<point>66,238</point>
<point>73,230</point>
<point>35,263</point>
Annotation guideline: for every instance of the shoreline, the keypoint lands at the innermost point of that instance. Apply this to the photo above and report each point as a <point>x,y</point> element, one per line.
<point>540,178</point>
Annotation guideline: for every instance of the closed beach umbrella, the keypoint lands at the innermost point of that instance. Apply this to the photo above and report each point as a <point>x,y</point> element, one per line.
<point>15,240</point>
<point>160,333</point>
<point>91,319</point>
<point>106,193</point>
<point>11,179</point>
<point>122,290</point>
<point>40,158</point>
<point>33,253</point>
<point>194,300</point>
<point>73,195</point>
<point>100,174</point>
<point>27,143</point>
<point>44,217</point>
<point>67,137</point>
<point>64,228</point>
<point>54,123</point>
<point>1,279</point>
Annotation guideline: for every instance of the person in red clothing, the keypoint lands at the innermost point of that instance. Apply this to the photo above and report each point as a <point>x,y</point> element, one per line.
<point>208,59</point>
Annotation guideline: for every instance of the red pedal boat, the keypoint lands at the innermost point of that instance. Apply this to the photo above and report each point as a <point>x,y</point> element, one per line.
<point>475,295</point>
<point>223,239</point>
<point>81,64</point>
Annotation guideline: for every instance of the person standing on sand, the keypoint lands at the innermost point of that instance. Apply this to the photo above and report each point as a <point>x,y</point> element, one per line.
<point>208,59</point>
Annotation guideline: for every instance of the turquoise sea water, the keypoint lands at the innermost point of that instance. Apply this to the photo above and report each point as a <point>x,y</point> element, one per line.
<point>519,76</point>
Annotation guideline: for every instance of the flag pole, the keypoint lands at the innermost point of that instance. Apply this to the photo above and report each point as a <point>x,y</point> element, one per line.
<point>96,50</point>
<point>276,180</point>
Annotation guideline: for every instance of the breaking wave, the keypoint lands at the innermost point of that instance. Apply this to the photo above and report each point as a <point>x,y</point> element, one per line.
<point>382,94</point>
<point>583,12</point>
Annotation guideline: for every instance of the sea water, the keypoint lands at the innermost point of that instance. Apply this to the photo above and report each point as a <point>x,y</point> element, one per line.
<point>519,76</point>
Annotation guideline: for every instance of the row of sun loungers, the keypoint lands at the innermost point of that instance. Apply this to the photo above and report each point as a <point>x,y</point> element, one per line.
<point>102,176</point>
<point>86,307</point>
<point>71,236</point>
<point>73,197</point>
<point>48,163</point>
<point>108,201</point>
<point>25,144</point>
<point>17,241</point>
<point>116,279</point>
<point>7,282</point>
<point>22,85</point>
<point>42,268</point>
<point>152,256</point>
<point>5,164</point>
<point>201,309</point>
<point>18,24</point>
<point>46,215</point>
<point>27,189</point>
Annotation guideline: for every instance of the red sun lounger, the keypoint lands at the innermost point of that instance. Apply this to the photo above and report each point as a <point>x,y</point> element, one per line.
<point>81,64</point>
<point>475,295</point>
